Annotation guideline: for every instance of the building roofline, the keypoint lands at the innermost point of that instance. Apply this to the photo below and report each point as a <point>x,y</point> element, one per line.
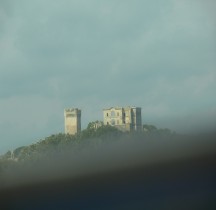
<point>126,107</point>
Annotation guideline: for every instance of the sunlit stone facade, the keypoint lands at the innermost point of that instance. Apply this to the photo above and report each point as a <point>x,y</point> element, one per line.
<point>72,120</point>
<point>125,119</point>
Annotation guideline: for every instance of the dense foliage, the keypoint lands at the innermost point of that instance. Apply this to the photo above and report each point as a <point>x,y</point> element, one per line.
<point>92,137</point>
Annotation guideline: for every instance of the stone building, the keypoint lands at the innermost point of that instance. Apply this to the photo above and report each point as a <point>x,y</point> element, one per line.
<point>125,119</point>
<point>72,120</point>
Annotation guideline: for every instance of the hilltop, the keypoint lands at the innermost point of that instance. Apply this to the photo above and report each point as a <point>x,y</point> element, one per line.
<point>91,137</point>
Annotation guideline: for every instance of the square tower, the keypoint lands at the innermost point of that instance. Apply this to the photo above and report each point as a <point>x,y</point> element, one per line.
<point>137,118</point>
<point>72,118</point>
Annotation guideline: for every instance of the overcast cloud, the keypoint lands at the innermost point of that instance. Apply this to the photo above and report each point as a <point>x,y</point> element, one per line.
<point>159,55</point>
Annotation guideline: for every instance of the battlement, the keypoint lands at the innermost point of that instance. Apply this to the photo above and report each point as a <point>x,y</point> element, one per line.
<point>76,110</point>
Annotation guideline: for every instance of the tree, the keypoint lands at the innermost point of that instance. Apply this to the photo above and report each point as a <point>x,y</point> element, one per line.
<point>149,128</point>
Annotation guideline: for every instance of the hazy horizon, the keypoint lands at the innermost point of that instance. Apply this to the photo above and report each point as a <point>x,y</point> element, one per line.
<point>158,55</point>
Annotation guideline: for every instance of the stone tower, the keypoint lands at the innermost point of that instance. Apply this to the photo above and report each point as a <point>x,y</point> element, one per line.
<point>72,120</point>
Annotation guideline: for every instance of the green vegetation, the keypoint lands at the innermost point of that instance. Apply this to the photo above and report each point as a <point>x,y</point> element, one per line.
<point>151,129</point>
<point>92,137</point>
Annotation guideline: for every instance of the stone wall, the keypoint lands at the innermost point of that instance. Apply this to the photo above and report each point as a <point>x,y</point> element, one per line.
<point>72,120</point>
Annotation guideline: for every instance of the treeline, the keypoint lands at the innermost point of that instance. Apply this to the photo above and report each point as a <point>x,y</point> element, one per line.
<point>91,137</point>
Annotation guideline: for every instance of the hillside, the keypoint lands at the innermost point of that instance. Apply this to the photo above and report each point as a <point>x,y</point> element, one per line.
<point>60,143</point>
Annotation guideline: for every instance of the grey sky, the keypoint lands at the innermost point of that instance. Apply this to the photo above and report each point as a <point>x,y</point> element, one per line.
<point>159,55</point>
